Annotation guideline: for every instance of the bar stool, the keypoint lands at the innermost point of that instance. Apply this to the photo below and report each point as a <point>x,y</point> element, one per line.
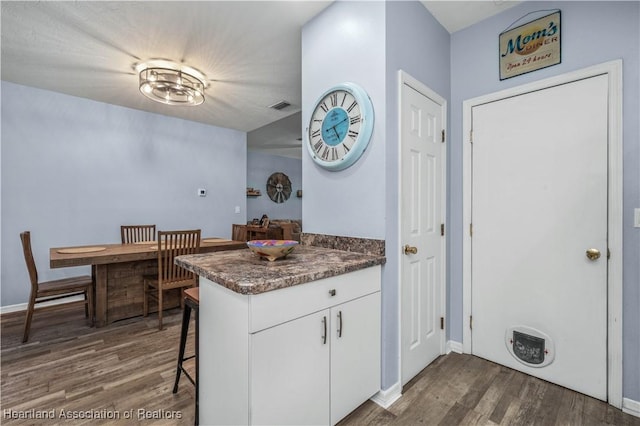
<point>191,301</point>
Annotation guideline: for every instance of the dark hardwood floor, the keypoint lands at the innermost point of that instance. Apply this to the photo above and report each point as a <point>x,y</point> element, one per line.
<point>127,369</point>
<point>461,389</point>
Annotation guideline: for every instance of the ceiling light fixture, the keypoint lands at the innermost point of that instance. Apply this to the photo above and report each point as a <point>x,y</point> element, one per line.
<point>170,83</point>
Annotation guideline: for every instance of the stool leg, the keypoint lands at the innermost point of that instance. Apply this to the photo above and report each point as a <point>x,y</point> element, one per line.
<point>186,315</point>
<point>197,314</point>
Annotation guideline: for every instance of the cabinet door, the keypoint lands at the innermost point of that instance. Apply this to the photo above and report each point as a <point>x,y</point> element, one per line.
<point>355,354</point>
<point>290,372</point>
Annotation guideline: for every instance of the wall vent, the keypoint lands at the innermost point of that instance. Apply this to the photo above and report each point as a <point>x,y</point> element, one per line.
<point>280,105</point>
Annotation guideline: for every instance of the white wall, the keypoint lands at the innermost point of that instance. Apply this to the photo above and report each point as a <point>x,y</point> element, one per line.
<point>259,167</point>
<point>74,170</point>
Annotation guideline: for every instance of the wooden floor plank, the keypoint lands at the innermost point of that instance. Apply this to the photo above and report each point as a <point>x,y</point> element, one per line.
<point>128,368</point>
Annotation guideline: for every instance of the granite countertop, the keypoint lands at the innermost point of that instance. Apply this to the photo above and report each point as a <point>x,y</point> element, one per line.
<point>244,272</point>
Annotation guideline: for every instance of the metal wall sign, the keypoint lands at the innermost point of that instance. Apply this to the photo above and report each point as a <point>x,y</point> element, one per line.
<point>530,46</point>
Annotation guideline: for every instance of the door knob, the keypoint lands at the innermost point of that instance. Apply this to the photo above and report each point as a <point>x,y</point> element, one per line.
<point>593,254</point>
<point>410,250</point>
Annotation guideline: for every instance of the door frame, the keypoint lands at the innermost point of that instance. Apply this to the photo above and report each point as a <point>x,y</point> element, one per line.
<point>405,78</point>
<point>613,70</point>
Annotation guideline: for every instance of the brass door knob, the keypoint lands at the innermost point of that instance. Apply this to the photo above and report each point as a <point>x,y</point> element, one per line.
<point>593,254</point>
<point>410,250</point>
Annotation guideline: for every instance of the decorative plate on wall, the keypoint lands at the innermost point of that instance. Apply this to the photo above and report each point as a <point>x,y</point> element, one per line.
<point>279,187</point>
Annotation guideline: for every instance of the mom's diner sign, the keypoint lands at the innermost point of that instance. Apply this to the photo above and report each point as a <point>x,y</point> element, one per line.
<point>530,47</point>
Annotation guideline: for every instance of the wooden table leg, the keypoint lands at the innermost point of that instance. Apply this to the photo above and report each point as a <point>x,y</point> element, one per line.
<point>101,295</point>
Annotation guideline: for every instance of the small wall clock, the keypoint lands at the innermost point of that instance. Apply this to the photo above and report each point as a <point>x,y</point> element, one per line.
<point>278,187</point>
<point>340,126</point>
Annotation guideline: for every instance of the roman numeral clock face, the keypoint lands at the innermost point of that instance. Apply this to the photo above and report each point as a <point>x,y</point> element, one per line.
<point>340,127</point>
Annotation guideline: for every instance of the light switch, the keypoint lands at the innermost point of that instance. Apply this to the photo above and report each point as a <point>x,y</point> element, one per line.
<point>237,209</point>
<point>636,218</point>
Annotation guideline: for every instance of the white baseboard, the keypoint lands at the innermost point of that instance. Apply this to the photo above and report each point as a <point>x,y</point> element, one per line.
<point>453,346</point>
<point>23,306</point>
<point>385,398</point>
<point>630,406</point>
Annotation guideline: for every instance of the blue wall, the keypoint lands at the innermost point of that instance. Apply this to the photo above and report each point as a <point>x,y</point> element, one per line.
<point>259,167</point>
<point>74,170</point>
<point>357,40</point>
<point>417,44</point>
<point>346,42</point>
<point>367,43</point>
<point>592,33</point>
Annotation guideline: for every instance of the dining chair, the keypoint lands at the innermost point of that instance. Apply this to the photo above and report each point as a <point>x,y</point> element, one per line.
<point>260,231</point>
<point>52,290</point>
<point>238,232</point>
<point>287,231</point>
<point>136,233</point>
<point>170,275</point>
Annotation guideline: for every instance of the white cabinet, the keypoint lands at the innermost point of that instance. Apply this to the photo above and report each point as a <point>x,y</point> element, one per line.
<point>355,354</point>
<point>310,353</point>
<point>290,374</point>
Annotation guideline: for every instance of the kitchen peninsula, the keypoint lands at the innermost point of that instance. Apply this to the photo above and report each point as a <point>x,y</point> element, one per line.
<point>294,341</point>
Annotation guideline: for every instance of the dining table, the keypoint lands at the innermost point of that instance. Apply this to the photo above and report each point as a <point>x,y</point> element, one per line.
<point>119,269</point>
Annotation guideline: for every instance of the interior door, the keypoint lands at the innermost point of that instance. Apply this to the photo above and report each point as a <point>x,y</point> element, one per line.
<point>539,234</point>
<point>422,207</point>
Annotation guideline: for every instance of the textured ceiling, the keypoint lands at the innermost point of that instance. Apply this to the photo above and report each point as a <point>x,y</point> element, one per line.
<point>456,15</point>
<point>250,52</point>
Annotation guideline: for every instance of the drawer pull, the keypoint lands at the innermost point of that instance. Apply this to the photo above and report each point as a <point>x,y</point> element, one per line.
<point>339,323</point>
<point>324,324</point>
<point>332,292</point>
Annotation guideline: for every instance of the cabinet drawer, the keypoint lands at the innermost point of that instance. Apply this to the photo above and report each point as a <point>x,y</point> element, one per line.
<point>278,306</point>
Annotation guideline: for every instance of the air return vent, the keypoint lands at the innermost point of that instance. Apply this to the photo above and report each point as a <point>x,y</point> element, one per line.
<point>280,105</point>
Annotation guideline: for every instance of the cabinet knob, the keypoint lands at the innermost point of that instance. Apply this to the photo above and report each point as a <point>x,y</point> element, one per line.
<point>332,292</point>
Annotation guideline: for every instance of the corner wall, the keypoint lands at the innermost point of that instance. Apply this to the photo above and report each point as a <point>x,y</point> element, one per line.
<point>367,43</point>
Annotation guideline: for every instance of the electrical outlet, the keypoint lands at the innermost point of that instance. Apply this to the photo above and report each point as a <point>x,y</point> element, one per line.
<point>636,218</point>
<point>202,192</point>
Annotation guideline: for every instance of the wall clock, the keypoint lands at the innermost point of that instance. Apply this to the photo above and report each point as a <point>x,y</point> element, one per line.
<point>340,126</point>
<point>279,187</point>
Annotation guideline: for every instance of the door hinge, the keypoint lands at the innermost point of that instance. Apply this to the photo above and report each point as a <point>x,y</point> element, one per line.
<point>442,135</point>
<point>442,229</point>
<point>608,253</point>
<point>470,136</point>
<point>471,229</point>
<point>441,323</point>
<point>471,322</point>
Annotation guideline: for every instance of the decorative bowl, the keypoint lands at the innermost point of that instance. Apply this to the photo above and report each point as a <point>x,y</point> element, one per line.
<point>272,249</point>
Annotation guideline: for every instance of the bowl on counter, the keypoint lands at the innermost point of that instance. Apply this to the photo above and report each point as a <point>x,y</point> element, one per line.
<point>272,249</point>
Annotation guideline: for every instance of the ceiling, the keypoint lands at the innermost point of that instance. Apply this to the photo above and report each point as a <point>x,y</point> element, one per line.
<point>250,52</point>
<point>456,15</point>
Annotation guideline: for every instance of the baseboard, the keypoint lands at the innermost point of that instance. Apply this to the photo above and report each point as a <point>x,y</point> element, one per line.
<point>453,346</point>
<point>23,306</point>
<point>385,398</point>
<point>630,406</point>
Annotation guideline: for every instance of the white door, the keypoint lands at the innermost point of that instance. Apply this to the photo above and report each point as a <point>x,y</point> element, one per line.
<point>422,214</point>
<point>539,220</point>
